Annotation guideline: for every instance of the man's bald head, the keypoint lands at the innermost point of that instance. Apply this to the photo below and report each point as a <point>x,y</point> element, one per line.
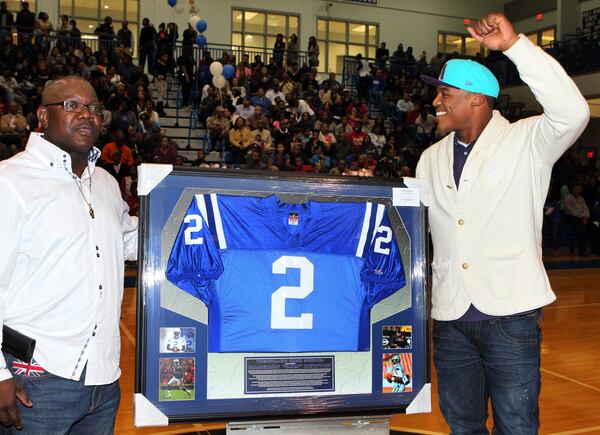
<point>55,89</point>
<point>73,128</point>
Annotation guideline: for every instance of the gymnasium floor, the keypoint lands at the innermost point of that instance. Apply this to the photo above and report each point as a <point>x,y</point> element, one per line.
<point>570,398</point>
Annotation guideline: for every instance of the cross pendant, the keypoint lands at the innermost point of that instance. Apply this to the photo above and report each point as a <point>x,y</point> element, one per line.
<point>93,216</point>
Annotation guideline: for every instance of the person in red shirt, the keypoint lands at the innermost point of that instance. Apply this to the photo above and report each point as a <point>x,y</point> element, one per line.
<point>302,166</point>
<point>356,138</point>
<point>166,152</point>
<point>120,136</point>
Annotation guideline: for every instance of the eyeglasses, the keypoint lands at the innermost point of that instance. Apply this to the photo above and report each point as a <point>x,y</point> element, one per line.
<point>75,106</point>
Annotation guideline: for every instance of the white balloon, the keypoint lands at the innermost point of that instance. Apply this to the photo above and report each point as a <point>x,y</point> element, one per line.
<point>218,81</point>
<point>194,20</point>
<point>179,7</point>
<point>216,68</point>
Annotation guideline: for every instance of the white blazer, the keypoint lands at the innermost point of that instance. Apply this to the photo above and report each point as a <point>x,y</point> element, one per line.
<point>487,234</point>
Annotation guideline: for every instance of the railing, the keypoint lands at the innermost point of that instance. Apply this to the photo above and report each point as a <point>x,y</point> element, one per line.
<point>56,39</point>
<point>576,55</point>
<point>350,67</point>
<point>217,51</point>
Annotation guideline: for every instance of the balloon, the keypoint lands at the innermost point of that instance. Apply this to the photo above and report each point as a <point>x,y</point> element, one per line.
<point>228,71</point>
<point>201,40</point>
<point>216,68</point>
<point>172,2</point>
<point>179,7</point>
<point>201,26</point>
<point>194,20</point>
<point>218,81</point>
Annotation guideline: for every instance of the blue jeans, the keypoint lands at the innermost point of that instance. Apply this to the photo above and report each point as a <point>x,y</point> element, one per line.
<point>496,359</point>
<point>62,406</point>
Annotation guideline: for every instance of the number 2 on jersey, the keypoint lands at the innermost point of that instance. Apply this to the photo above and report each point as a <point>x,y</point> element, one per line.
<point>386,237</point>
<point>193,229</point>
<point>307,275</point>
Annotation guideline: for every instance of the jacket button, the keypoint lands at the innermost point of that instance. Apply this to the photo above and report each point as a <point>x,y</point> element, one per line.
<point>461,222</point>
<point>465,266</point>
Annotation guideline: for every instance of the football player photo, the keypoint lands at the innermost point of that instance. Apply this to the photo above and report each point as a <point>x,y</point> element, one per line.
<point>396,337</point>
<point>177,378</point>
<point>397,373</point>
<point>178,340</point>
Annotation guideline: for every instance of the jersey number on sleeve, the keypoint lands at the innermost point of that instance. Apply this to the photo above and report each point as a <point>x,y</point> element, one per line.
<point>386,237</point>
<point>307,273</point>
<point>193,229</point>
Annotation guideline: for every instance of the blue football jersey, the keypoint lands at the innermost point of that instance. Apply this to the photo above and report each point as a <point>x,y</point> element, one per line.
<point>280,277</point>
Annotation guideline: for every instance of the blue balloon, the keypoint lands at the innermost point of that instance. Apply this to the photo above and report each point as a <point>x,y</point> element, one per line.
<point>172,3</point>
<point>201,40</point>
<point>228,71</point>
<point>201,25</point>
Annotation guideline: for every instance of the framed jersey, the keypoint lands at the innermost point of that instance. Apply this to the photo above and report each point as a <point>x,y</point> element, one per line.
<point>281,295</point>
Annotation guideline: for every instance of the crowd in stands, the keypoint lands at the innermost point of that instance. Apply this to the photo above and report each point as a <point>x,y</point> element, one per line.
<point>273,114</point>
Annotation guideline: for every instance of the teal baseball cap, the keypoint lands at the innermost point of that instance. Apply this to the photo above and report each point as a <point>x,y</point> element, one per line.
<point>467,75</point>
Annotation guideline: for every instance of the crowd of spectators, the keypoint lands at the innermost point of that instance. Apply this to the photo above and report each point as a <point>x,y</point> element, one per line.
<point>131,131</point>
<point>278,115</point>
<point>274,115</point>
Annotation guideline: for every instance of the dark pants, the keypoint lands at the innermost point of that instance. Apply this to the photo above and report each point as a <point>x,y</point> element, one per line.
<point>497,360</point>
<point>583,232</point>
<point>186,89</point>
<point>363,87</point>
<point>62,406</point>
<point>146,53</point>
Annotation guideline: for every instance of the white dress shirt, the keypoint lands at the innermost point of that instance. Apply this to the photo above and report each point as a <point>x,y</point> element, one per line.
<point>304,107</point>
<point>271,95</point>
<point>61,272</point>
<point>405,106</point>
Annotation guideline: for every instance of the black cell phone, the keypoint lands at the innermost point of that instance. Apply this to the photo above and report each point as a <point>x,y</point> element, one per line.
<point>16,344</point>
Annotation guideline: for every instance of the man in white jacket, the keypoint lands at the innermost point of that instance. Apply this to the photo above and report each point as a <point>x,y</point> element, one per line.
<point>488,180</point>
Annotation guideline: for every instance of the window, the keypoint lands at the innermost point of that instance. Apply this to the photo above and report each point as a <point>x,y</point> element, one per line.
<point>258,30</point>
<point>339,38</point>
<point>89,14</point>
<point>462,44</point>
<point>542,37</point>
<point>15,6</point>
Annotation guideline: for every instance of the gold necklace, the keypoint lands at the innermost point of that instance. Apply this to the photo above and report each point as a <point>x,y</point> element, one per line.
<point>89,203</point>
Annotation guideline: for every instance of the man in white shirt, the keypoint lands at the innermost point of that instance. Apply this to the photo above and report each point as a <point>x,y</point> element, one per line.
<point>273,93</point>
<point>299,106</point>
<point>488,181</point>
<point>246,109</point>
<point>577,214</point>
<point>404,106</point>
<point>66,233</point>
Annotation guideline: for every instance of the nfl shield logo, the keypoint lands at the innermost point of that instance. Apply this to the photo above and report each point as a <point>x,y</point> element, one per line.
<point>293,219</point>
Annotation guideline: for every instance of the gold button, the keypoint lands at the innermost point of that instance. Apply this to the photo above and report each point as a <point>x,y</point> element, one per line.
<point>465,266</point>
<point>461,222</point>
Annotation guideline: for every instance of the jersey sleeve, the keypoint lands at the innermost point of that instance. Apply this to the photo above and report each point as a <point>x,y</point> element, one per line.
<point>195,261</point>
<point>382,272</point>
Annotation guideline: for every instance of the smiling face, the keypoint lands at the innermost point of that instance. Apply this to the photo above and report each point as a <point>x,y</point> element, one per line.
<point>453,108</point>
<point>75,133</point>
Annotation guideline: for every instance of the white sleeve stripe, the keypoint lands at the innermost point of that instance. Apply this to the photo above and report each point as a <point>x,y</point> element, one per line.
<point>378,219</point>
<point>365,229</point>
<point>218,222</point>
<point>201,203</point>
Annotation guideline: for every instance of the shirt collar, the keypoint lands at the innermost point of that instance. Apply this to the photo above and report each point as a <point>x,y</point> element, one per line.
<point>461,145</point>
<point>55,158</point>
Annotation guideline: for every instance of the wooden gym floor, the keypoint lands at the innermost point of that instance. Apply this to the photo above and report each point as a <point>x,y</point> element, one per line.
<point>570,398</point>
